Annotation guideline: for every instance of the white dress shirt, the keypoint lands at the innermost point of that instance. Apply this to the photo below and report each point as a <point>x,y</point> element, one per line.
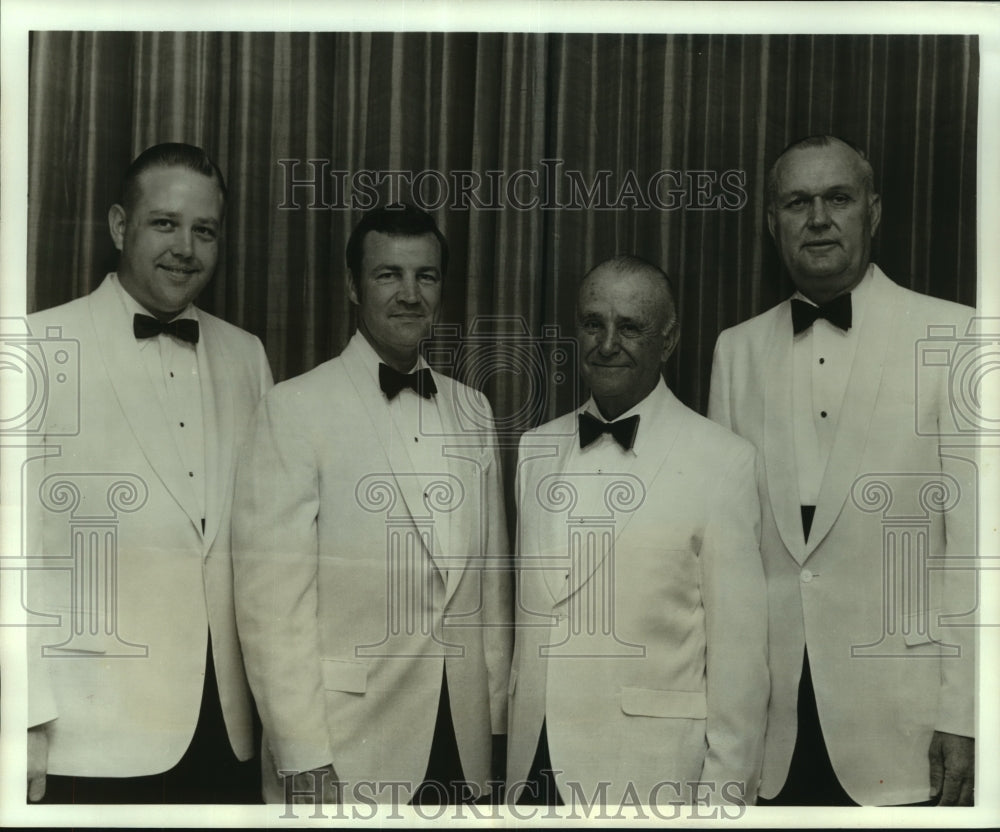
<point>822,357</point>
<point>605,456</point>
<point>173,368</point>
<point>418,421</point>
<point>417,418</point>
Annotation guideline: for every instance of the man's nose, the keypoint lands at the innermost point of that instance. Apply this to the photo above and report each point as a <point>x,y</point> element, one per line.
<point>409,290</point>
<point>609,343</point>
<point>182,244</point>
<point>819,214</point>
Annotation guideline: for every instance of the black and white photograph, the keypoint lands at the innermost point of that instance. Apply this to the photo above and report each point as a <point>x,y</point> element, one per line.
<point>499,414</point>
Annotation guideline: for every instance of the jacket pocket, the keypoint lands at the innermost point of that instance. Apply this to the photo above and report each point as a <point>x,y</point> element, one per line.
<point>345,675</point>
<point>916,627</point>
<point>679,704</point>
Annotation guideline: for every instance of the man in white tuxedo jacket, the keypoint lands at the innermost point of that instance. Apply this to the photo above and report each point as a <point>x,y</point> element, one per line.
<point>137,691</point>
<point>640,668</point>
<point>868,675</point>
<point>372,582</point>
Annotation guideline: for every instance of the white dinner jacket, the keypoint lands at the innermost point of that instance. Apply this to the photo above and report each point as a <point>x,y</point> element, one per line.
<point>645,656</point>
<point>136,584</point>
<point>360,578</point>
<point>886,669</point>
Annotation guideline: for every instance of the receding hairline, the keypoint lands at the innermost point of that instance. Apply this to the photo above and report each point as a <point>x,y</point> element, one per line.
<point>859,157</point>
<point>623,265</point>
<point>136,188</point>
<point>170,155</point>
<point>135,183</point>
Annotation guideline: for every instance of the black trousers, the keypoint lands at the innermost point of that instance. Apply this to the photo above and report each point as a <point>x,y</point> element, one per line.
<point>207,773</point>
<point>811,778</point>
<point>540,785</point>
<point>444,782</point>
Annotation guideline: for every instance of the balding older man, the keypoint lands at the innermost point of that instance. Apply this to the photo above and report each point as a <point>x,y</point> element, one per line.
<point>640,671</point>
<point>857,493</point>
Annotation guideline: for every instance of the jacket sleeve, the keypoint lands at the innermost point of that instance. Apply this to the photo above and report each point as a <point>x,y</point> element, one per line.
<point>42,704</point>
<point>275,566</point>
<point>265,379</point>
<point>41,693</point>
<point>497,589</point>
<point>719,391</point>
<point>958,620</point>
<point>735,601</point>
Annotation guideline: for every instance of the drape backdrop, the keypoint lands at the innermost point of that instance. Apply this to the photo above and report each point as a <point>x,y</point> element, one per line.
<point>596,118</point>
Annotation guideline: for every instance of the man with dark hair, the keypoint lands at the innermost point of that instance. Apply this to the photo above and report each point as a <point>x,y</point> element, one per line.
<point>137,692</point>
<point>640,670</point>
<point>376,633</point>
<point>394,220</point>
<point>868,676</point>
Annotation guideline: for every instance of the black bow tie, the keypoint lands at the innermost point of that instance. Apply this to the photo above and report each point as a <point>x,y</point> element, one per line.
<point>392,381</point>
<point>624,430</point>
<point>837,312</point>
<point>146,326</point>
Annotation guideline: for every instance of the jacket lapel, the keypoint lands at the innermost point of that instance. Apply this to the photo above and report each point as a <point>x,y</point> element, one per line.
<point>779,442</point>
<point>552,537</point>
<point>394,445</point>
<point>137,397</point>
<point>658,430</point>
<point>535,543</point>
<point>655,447</point>
<point>859,405</point>
<point>464,454</point>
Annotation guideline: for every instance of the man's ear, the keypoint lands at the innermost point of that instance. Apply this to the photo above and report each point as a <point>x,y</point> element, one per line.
<point>352,289</point>
<point>116,224</point>
<point>770,223</point>
<point>670,342</point>
<point>875,211</point>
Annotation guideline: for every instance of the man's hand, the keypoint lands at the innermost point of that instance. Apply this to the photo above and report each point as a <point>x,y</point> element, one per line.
<point>318,784</point>
<point>953,769</point>
<point>38,761</point>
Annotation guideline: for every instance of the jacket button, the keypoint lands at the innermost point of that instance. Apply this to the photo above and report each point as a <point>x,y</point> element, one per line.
<point>806,576</point>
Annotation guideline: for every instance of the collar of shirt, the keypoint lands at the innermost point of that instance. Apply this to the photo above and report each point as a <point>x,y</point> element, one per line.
<point>859,296</point>
<point>371,358</point>
<point>646,410</point>
<point>133,307</point>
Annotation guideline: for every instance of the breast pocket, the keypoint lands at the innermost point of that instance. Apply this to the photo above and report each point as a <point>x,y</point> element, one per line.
<point>916,627</point>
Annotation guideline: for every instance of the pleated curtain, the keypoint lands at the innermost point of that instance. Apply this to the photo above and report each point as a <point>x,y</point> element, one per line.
<point>598,117</point>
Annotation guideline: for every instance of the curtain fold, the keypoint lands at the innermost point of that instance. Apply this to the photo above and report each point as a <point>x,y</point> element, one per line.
<point>557,139</point>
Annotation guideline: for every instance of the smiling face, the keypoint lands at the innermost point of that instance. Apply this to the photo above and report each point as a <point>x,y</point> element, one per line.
<point>822,219</point>
<point>397,293</point>
<point>169,239</point>
<point>625,335</point>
